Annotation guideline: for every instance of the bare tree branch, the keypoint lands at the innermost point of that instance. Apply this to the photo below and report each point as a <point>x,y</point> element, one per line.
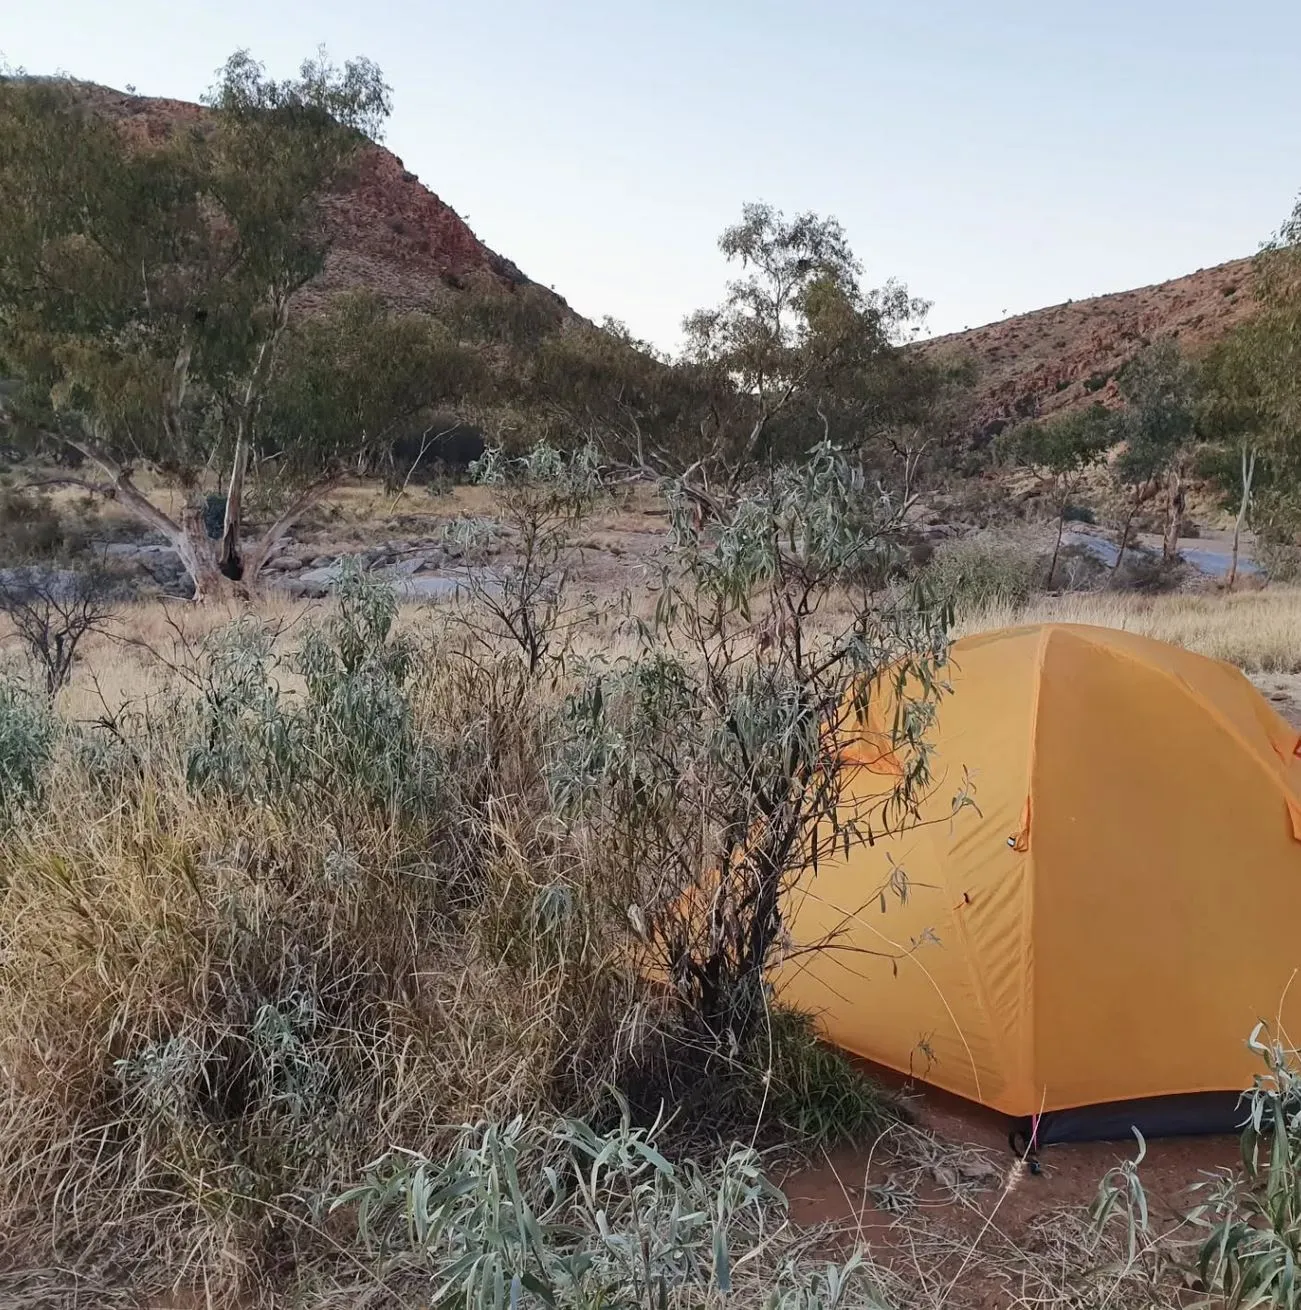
<point>261,551</point>
<point>51,611</point>
<point>124,490</point>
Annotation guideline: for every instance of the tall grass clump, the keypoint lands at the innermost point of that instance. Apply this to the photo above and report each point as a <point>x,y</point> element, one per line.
<point>266,947</point>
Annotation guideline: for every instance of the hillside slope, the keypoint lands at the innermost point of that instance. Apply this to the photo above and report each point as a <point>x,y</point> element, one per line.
<point>391,234</point>
<point>1067,355</point>
<point>388,232</point>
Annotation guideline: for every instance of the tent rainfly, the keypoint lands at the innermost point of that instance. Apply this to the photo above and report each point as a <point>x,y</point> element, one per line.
<point>1088,946</point>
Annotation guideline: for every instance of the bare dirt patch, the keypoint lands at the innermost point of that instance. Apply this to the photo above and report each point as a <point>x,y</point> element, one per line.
<point>945,1205</point>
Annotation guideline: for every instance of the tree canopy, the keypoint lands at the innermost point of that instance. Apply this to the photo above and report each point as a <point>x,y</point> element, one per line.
<point>1158,426</point>
<point>146,290</point>
<point>151,316</point>
<point>810,352</point>
<point>1157,387</point>
<point>797,353</point>
<point>1249,395</point>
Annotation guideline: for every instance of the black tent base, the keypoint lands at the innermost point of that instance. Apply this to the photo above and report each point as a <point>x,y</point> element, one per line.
<point>1191,1115</point>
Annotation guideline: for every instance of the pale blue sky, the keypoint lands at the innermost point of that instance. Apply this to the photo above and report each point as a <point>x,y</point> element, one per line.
<point>998,155</point>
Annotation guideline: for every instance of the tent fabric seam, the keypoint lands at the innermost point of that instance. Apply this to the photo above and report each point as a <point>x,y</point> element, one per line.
<point>1025,1077</point>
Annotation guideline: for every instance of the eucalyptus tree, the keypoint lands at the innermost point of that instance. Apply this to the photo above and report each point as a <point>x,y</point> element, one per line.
<point>150,312</point>
<point>1158,426</point>
<point>1060,451</point>
<point>797,352</point>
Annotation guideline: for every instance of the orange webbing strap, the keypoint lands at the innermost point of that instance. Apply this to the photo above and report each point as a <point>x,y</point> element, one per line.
<point>1020,841</point>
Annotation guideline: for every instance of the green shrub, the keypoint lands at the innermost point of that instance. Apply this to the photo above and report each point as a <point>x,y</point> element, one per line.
<point>985,571</point>
<point>527,1213</point>
<point>243,740</point>
<point>27,737</point>
<point>783,1090</point>
<point>708,754</point>
<point>1251,1254</point>
<point>1280,560</point>
<point>30,528</point>
<point>351,738</point>
<point>357,718</point>
<point>1079,569</point>
<point>815,1092</point>
<point>1146,571</point>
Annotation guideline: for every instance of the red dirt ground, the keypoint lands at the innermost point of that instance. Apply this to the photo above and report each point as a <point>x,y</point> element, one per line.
<point>977,1217</point>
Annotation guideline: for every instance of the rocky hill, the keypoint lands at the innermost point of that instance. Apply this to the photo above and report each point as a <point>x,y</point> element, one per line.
<point>388,232</point>
<point>1067,355</point>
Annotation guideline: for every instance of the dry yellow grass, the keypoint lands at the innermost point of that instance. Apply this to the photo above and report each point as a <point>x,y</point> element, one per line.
<point>1259,631</point>
<point>152,919</point>
<point>131,659</point>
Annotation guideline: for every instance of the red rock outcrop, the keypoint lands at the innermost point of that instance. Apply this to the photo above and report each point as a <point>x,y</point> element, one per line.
<point>388,232</point>
<point>1068,355</point>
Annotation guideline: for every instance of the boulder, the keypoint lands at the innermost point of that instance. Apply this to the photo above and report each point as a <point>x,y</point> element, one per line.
<point>404,568</point>
<point>322,577</point>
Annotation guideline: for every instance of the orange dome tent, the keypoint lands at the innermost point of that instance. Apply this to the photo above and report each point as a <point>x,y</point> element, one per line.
<point>1090,945</point>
